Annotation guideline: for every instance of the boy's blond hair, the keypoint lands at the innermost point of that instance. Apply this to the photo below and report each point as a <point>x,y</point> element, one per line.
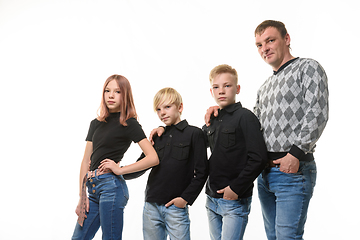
<point>223,68</point>
<point>167,95</point>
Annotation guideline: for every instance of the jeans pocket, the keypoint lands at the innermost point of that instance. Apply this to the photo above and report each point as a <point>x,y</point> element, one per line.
<point>124,189</point>
<point>176,207</point>
<point>313,174</point>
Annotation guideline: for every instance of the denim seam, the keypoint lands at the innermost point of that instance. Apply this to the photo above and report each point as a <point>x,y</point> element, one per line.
<point>302,205</point>
<point>112,213</point>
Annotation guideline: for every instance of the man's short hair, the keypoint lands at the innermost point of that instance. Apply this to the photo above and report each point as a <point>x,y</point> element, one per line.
<point>224,68</point>
<point>271,23</point>
<point>167,95</point>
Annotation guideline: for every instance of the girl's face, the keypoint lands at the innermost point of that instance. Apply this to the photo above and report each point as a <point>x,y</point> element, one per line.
<point>112,96</point>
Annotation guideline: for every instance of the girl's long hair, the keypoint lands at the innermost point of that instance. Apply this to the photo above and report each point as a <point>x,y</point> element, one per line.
<point>127,106</point>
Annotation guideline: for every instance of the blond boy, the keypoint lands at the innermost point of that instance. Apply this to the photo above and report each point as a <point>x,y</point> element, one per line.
<point>179,178</point>
<point>238,155</point>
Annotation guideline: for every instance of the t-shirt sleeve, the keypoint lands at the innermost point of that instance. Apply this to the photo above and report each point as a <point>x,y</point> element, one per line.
<point>135,130</point>
<point>93,125</point>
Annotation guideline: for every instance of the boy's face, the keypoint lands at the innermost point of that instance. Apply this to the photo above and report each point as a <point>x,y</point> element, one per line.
<point>224,89</point>
<point>169,113</point>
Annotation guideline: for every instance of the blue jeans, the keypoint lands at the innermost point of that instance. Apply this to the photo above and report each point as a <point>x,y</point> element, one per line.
<point>108,195</point>
<point>227,218</point>
<point>285,199</point>
<point>160,221</point>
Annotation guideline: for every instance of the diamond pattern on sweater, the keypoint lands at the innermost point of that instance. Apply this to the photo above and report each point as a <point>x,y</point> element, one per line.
<point>292,106</point>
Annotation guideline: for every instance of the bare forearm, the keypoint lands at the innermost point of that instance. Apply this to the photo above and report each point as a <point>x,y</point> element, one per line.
<point>145,163</point>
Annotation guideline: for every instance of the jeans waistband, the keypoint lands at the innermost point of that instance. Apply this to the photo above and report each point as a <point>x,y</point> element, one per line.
<point>96,172</point>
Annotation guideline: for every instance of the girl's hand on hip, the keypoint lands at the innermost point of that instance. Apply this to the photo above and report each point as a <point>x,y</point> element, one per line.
<point>109,165</point>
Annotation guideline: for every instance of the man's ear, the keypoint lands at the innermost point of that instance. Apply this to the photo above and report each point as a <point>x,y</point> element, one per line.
<point>287,39</point>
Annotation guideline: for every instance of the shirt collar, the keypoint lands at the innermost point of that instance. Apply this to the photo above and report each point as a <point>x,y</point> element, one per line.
<point>284,65</point>
<point>231,108</point>
<point>180,126</point>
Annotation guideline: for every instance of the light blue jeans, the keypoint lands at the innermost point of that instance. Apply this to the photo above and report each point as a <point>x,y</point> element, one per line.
<point>285,199</point>
<point>160,221</point>
<point>108,196</point>
<point>227,218</point>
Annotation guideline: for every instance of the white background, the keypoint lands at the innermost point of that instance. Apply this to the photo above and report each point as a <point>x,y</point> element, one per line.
<point>56,55</point>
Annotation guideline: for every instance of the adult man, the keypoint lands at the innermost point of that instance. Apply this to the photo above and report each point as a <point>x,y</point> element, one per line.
<point>292,107</point>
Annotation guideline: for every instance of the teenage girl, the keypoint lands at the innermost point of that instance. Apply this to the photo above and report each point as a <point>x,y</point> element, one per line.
<point>109,136</point>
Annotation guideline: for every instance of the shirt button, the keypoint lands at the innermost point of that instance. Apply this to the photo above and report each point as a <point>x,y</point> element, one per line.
<point>91,180</point>
<point>93,190</point>
<point>93,185</point>
<point>170,136</point>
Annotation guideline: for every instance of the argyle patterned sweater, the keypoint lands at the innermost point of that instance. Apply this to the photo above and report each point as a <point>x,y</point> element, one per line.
<point>292,106</point>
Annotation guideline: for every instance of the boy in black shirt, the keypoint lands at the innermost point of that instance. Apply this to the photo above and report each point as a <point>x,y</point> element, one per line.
<point>179,178</point>
<point>238,157</point>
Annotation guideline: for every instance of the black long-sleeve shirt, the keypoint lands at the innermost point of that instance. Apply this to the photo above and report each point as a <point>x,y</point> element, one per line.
<point>238,151</point>
<point>183,167</point>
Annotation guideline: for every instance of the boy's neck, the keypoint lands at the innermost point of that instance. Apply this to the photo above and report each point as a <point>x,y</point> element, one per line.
<point>227,105</point>
<point>176,122</point>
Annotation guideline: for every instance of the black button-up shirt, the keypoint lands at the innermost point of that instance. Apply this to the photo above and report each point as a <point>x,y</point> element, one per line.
<point>238,151</point>
<point>183,167</point>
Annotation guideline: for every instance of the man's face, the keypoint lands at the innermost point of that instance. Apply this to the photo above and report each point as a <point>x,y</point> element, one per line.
<point>273,48</point>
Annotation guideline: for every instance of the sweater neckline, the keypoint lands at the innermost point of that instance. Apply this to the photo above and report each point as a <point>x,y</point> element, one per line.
<point>285,65</point>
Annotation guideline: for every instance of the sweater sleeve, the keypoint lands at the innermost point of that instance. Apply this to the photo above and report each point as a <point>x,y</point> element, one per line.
<point>316,94</point>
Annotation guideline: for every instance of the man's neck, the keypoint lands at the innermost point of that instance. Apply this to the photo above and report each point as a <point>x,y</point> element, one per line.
<point>285,60</point>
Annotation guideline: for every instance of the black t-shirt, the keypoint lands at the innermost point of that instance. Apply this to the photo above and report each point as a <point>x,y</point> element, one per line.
<point>111,139</point>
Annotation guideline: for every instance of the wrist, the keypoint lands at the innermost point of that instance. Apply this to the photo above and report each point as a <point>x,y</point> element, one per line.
<point>120,170</point>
